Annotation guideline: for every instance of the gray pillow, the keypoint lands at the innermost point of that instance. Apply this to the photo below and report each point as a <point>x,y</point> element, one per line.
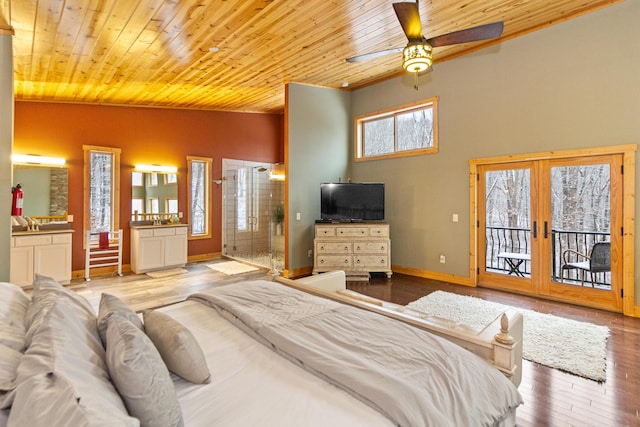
<point>140,376</point>
<point>110,305</point>
<point>65,343</point>
<point>13,304</point>
<point>177,346</point>
<point>45,292</point>
<point>13,307</point>
<point>49,399</point>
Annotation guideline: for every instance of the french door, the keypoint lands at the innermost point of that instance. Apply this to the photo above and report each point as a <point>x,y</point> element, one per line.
<point>553,227</point>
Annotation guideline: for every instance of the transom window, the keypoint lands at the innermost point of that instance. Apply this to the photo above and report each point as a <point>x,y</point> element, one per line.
<point>408,130</point>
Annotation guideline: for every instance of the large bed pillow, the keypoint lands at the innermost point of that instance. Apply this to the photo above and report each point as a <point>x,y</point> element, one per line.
<point>140,375</point>
<point>46,291</point>
<point>13,304</point>
<point>112,305</point>
<point>13,307</point>
<point>64,341</point>
<point>49,399</point>
<point>178,347</point>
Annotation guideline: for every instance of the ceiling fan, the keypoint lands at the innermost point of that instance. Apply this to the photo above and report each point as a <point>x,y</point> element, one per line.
<point>417,54</point>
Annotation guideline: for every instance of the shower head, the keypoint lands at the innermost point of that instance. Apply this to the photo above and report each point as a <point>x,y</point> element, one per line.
<point>261,168</point>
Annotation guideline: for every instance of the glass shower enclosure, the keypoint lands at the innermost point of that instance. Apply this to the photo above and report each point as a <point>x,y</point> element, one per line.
<point>253,213</point>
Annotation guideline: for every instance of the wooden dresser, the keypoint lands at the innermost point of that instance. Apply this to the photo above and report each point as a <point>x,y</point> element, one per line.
<point>356,248</point>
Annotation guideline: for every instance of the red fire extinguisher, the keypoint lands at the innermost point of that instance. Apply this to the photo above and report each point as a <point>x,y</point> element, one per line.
<point>18,199</point>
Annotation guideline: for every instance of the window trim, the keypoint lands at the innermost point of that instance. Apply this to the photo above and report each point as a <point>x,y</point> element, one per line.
<point>358,153</point>
<point>115,200</point>
<point>207,208</point>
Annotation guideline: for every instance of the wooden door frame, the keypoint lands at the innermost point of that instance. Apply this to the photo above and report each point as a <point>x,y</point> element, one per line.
<point>628,153</point>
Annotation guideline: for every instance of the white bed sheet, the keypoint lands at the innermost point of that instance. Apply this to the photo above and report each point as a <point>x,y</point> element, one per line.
<point>253,386</point>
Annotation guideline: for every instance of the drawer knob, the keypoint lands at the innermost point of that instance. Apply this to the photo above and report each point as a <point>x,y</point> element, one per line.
<point>346,248</point>
<point>382,261</point>
<point>382,248</point>
<point>322,248</point>
<point>358,247</point>
<point>357,261</point>
<point>346,261</point>
<point>321,261</point>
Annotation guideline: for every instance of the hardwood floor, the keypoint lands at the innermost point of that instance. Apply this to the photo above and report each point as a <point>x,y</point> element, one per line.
<point>552,397</point>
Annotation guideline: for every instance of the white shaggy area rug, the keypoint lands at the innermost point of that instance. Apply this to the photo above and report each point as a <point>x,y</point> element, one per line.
<point>231,267</point>
<point>565,344</point>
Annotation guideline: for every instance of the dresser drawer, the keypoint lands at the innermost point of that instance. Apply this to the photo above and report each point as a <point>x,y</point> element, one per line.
<point>351,231</point>
<point>370,247</point>
<point>325,231</point>
<point>379,231</point>
<point>334,261</point>
<point>333,248</point>
<point>371,261</point>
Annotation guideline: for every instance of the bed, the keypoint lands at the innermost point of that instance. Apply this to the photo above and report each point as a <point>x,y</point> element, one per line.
<point>277,354</point>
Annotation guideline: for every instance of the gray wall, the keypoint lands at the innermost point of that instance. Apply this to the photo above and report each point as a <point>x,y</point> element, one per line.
<point>317,150</point>
<point>572,85</point>
<point>6,146</point>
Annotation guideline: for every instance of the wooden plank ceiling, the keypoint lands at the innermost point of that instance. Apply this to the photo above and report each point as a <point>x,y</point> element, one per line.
<point>157,52</point>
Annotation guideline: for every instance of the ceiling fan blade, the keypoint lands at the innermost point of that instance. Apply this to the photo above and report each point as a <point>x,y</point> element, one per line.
<point>482,32</point>
<point>409,16</point>
<point>374,54</point>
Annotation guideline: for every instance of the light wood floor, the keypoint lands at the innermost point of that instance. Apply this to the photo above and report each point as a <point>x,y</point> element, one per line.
<point>552,398</point>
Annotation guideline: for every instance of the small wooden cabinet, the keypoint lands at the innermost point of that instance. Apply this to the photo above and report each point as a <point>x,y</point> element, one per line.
<point>158,247</point>
<point>356,248</point>
<point>46,253</point>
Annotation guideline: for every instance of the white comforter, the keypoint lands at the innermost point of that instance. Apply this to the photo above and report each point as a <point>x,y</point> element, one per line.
<point>253,386</point>
<point>409,375</point>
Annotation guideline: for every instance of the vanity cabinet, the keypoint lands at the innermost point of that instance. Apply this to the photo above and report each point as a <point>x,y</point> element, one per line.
<point>358,249</point>
<point>46,253</point>
<point>158,247</point>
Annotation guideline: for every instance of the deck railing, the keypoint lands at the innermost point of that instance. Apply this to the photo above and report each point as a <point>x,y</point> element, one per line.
<point>517,240</point>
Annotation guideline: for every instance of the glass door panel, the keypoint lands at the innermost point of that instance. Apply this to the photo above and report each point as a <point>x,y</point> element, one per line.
<point>252,226</point>
<point>506,226</point>
<point>548,228</point>
<point>584,211</point>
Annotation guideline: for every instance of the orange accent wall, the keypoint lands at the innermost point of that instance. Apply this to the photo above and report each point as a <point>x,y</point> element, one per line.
<point>145,135</point>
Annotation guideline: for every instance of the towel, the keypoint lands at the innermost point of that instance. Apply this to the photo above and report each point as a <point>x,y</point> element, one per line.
<point>103,242</point>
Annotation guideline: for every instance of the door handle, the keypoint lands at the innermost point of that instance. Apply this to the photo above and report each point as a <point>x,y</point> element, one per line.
<point>535,229</point>
<point>546,229</point>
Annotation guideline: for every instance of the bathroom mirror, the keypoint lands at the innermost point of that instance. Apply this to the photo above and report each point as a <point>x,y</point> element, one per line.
<point>46,189</point>
<point>153,193</point>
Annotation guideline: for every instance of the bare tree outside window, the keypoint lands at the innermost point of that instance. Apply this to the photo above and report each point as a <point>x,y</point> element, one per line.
<point>199,181</point>
<point>407,130</point>
<point>101,191</point>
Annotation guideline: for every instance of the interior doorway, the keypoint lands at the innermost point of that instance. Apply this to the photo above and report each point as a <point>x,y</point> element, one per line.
<point>253,213</point>
<point>553,227</point>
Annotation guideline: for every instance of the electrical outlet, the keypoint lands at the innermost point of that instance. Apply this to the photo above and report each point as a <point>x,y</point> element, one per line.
<point>179,214</point>
<point>443,259</point>
<point>69,218</point>
<point>310,253</point>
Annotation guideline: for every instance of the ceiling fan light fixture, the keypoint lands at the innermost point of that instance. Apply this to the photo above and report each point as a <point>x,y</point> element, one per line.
<point>417,57</point>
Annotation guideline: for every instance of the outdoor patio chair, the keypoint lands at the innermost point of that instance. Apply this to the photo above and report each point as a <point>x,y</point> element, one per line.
<point>597,261</point>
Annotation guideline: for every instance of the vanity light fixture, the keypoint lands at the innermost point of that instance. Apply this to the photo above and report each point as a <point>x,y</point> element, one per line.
<point>30,159</point>
<point>156,168</point>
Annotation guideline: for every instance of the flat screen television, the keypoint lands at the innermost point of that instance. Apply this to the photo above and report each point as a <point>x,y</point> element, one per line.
<point>352,201</point>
